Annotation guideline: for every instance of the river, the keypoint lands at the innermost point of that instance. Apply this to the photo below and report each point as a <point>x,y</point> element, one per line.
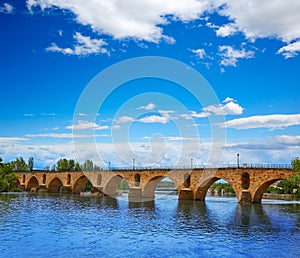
<point>43,225</point>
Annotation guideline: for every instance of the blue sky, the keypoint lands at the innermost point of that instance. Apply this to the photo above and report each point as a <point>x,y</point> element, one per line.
<point>248,51</point>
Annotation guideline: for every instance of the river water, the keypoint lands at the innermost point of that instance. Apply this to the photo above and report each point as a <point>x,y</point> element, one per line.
<point>35,225</point>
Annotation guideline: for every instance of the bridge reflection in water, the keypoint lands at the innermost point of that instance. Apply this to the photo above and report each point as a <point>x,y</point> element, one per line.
<point>248,183</point>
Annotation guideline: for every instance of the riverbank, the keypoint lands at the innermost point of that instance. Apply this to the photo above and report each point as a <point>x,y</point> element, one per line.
<point>287,197</point>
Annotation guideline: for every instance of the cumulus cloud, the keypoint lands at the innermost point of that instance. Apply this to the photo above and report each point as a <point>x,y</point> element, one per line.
<point>84,46</point>
<point>85,125</point>
<point>6,8</point>
<point>226,30</point>
<point>139,20</point>
<point>154,119</point>
<point>275,121</point>
<point>150,106</point>
<point>230,108</point>
<point>262,19</point>
<point>229,55</point>
<point>200,53</point>
<point>290,50</point>
<point>124,120</point>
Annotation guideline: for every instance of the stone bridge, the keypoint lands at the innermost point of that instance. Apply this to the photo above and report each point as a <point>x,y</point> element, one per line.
<point>249,184</point>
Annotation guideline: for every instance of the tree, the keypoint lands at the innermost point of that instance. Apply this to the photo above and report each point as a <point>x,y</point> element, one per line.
<point>71,165</point>
<point>296,164</point>
<point>62,165</point>
<point>30,163</point>
<point>19,165</point>
<point>88,165</point>
<point>77,167</point>
<point>8,178</point>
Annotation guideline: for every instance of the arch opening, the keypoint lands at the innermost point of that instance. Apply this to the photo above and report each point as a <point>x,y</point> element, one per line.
<point>82,184</point>
<point>54,186</point>
<point>32,184</point>
<point>117,185</point>
<point>159,186</point>
<point>258,195</point>
<point>215,187</point>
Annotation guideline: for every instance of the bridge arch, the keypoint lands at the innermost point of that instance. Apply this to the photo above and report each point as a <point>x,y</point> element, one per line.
<point>201,191</point>
<point>112,184</point>
<point>81,184</point>
<point>55,185</point>
<point>259,191</point>
<point>32,183</point>
<point>150,186</point>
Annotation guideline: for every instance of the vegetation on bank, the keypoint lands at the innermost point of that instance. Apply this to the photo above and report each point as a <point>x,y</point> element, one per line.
<point>8,178</point>
<point>288,186</point>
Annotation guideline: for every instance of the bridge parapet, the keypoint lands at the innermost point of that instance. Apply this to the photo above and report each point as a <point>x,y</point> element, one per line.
<point>248,183</point>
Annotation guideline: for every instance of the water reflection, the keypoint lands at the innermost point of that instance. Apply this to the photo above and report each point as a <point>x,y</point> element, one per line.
<point>88,226</point>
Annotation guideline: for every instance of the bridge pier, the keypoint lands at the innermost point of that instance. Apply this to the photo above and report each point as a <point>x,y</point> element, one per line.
<point>245,197</point>
<point>186,194</point>
<point>135,194</point>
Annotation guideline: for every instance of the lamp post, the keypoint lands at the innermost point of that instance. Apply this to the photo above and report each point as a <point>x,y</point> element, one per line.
<point>133,165</point>
<point>191,163</point>
<point>238,160</point>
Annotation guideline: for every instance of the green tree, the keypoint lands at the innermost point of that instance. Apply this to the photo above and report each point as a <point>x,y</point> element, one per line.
<point>30,163</point>
<point>19,165</point>
<point>8,178</point>
<point>62,165</point>
<point>77,166</point>
<point>88,165</point>
<point>71,165</point>
<point>296,164</point>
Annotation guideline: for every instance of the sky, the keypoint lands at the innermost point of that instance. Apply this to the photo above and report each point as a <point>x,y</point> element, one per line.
<point>247,102</point>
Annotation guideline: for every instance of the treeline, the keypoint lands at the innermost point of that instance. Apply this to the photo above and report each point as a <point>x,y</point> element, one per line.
<point>8,178</point>
<point>20,165</point>
<point>72,165</point>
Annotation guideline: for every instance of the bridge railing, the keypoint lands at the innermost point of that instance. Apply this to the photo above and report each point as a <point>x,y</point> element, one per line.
<point>244,165</point>
<point>189,167</point>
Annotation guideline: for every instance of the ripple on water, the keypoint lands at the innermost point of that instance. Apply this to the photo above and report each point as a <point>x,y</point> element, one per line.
<point>75,226</point>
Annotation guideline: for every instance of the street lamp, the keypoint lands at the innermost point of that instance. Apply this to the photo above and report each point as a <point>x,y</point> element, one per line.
<point>238,160</point>
<point>133,166</point>
<point>191,163</point>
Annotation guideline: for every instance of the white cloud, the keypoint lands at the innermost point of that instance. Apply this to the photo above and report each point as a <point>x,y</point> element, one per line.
<point>230,108</point>
<point>290,50</point>
<point>262,19</point>
<point>6,8</point>
<point>275,121</point>
<point>84,46</point>
<point>124,120</point>
<point>62,135</point>
<point>29,115</point>
<point>51,135</point>
<point>229,55</point>
<point>199,53</point>
<point>12,139</point>
<point>200,115</point>
<point>139,20</point>
<point>226,30</point>
<point>228,99</point>
<point>85,125</point>
<point>154,119</point>
<point>150,106</point>
<point>293,140</point>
